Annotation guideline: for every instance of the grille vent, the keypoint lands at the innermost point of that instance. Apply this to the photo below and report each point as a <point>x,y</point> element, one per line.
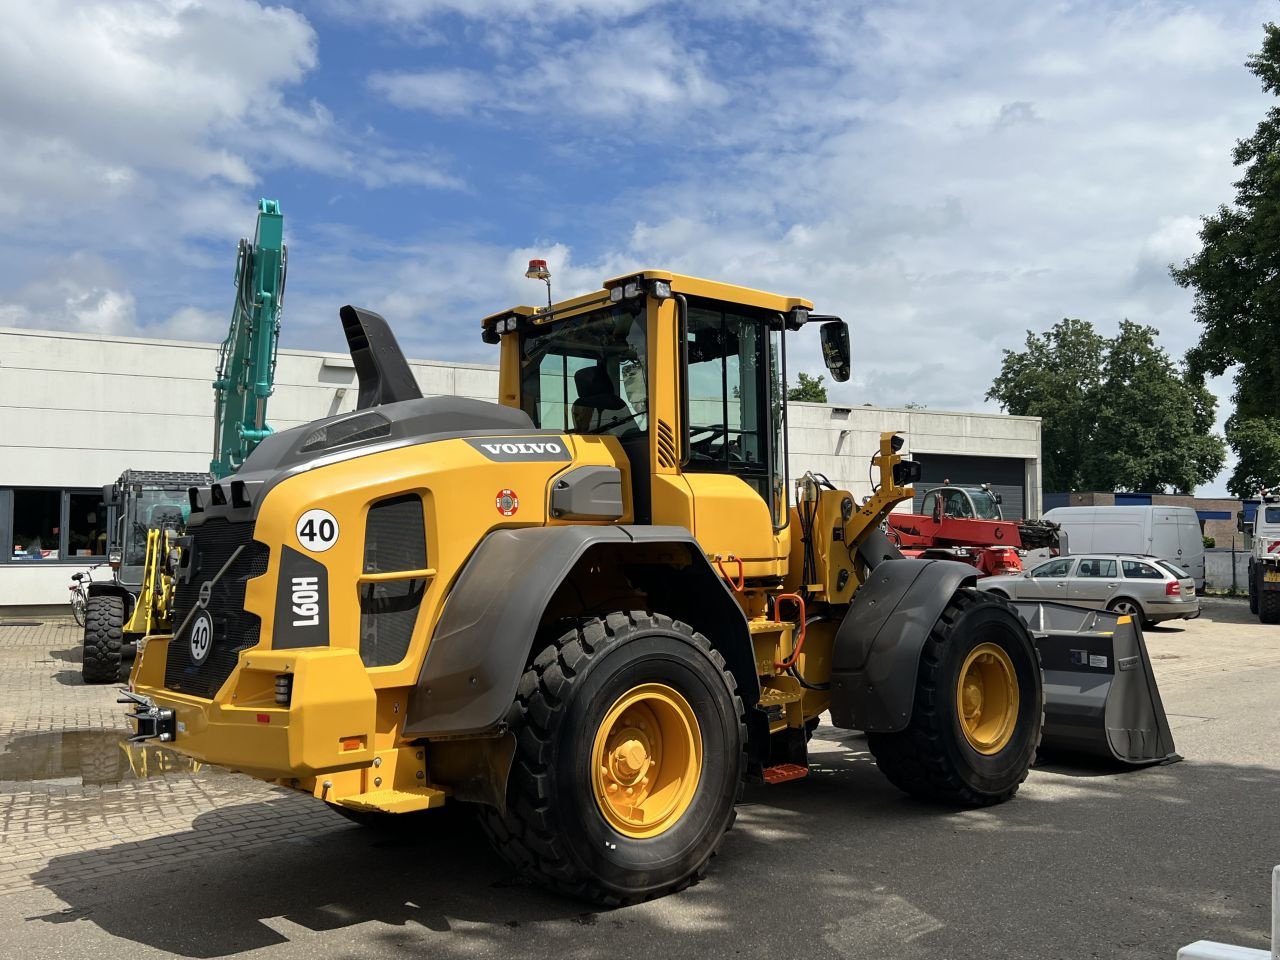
<point>395,539</point>
<point>666,445</point>
<point>395,536</point>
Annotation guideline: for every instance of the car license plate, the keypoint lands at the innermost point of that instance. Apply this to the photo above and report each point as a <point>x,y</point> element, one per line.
<point>1271,576</point>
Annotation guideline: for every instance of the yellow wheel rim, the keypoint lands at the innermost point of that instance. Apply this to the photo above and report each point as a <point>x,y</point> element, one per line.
<point>646,760</point>
<point>987,698</point>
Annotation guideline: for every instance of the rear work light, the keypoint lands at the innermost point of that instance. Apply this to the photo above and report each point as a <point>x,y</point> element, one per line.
<point>1173,589</point>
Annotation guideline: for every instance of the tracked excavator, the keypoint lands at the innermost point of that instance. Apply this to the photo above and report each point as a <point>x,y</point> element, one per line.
<point>594,609</point>
<point>151,506</point>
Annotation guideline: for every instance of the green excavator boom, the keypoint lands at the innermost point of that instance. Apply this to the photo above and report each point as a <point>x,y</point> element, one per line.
<point>247,359</point>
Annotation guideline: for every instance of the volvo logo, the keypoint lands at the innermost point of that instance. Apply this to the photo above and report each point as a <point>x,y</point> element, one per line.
<point>521,448</point>
<point>201,637</point>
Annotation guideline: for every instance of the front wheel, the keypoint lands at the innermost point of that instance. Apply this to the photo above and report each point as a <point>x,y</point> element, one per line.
<point>103,639</point>
<point>77,607</point>
<point>630,758</point>
<point>978,711</point>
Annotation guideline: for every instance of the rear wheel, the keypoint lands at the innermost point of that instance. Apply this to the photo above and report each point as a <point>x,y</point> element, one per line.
<point>1126,608</point>
<point>1254,577</point>
<point>630,758</point>
<point>978,711</point>
<point>1268,604</point>
<point>103,638</point>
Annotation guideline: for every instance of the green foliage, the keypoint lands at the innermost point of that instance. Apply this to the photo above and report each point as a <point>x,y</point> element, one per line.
<point>1237,297</point>
<point>1117,414</point>
<point>809,390</point>
<point>1209,542</point>
<point>1056,378</point>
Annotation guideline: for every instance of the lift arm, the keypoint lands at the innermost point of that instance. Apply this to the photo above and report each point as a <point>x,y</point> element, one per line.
<point>247,359</point>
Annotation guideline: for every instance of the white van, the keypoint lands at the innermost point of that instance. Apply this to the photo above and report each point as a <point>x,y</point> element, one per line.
<point>1170,533</point>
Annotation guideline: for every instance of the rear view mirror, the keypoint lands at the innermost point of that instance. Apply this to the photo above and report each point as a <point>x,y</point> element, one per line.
<point>999,499</point>
<point>109,495</point>
<point>835,349</point>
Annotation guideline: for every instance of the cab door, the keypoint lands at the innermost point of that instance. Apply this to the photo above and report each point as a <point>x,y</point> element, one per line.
<point>733,451</point>
<point>1094,582</point>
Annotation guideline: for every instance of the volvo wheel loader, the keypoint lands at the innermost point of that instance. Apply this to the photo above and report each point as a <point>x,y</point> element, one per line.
<point>590,609</point>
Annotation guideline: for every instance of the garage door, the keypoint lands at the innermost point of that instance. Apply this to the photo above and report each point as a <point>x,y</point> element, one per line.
<point>1006,475</point>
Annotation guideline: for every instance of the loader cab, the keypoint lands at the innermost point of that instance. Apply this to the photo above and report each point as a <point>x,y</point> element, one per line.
<point>966,503</point>
<point>690,376</point>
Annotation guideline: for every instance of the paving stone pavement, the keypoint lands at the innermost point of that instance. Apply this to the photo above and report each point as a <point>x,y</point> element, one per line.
<point>70,785</point>
<point>1084,863</point>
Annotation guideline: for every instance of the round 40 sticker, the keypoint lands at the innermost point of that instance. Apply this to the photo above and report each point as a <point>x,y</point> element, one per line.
<point>201,636</point>
<point>317,530</point>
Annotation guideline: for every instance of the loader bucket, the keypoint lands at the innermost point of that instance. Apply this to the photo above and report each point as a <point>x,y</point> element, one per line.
<point>1099,690</point>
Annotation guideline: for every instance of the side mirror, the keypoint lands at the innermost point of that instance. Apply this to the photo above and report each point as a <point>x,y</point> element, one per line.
<point>1026,574</point>
<point>999,499</point>
<point>835,349</point>
<point>109,495</point>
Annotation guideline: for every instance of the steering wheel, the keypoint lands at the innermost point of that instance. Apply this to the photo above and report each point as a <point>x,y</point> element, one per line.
<point>701,449</point>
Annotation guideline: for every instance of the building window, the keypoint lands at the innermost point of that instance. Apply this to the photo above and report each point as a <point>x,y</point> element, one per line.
<point>47,524</point>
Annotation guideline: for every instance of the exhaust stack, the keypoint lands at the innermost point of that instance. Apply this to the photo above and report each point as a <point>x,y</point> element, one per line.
<point>383,372</point>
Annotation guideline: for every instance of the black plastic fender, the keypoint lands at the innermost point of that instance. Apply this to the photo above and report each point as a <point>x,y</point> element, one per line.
<point>113,589</point>
<point>487,630</point>
<point>876,656</point>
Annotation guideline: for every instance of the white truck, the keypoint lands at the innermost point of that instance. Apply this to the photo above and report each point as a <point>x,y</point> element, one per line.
<point>1168,533</point>
<point>1264,559</point>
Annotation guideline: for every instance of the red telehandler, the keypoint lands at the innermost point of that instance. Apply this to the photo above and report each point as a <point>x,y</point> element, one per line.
<point>966,523</point>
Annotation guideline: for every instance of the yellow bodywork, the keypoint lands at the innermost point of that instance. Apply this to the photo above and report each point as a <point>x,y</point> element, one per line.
<point>340,737</point>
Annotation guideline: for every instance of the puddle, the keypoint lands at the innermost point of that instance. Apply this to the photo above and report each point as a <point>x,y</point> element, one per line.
<point>75,758</point>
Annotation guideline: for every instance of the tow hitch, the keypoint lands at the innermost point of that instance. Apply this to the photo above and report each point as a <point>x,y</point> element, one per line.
<point>153,723</point>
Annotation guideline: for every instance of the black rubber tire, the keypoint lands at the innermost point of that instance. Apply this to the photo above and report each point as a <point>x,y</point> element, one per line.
<point>1268,605</point>
<point>552,828</point>
<point>1254,576</point>
<point>103,636</point>
<point>931,759</point>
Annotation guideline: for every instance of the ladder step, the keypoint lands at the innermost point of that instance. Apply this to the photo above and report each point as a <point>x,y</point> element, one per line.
<point>395,801</point>
<point>782,772</point>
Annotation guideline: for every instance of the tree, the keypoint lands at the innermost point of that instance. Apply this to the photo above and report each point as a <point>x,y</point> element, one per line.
<point>1236,280</point>
<point>1117,414</point>
<point>1056,378</point>
<point>809,390</point>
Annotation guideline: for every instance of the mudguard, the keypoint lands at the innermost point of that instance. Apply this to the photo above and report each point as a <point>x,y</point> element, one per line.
<point>876,657</point>
<point>113,589</point>
<point>1100,695</point>
<point>488,627</point>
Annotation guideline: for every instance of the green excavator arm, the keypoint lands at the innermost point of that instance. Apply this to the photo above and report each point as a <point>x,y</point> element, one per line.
<point>247,359</point>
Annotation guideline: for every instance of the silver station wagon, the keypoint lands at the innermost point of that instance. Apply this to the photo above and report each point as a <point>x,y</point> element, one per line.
<point>1148,589</point>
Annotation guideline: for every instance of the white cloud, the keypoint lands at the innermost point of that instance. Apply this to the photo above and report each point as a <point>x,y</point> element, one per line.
<point>83,294</point>
<point>611,75</point>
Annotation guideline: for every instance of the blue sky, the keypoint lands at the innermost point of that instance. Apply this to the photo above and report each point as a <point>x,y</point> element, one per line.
<point>946,176</point>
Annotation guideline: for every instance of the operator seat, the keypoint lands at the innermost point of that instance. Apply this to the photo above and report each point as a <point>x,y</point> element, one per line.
<point>599,397</point>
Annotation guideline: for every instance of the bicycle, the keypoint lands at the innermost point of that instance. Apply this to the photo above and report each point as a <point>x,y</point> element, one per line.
<point>80,592</point>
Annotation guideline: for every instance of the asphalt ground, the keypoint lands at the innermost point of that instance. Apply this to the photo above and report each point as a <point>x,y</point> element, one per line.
<point>106,853</point>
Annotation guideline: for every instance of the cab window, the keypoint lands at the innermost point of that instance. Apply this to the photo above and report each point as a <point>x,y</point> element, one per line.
<point>1271,515</point>
<point>587,374</point>
<point>1054,568</point>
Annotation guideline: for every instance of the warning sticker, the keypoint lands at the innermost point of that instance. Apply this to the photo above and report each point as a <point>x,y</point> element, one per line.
<point>507,502</point>
<point>1096,660</point>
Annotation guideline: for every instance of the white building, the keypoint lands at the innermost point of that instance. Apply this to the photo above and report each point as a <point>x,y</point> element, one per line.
<point>77,410</point>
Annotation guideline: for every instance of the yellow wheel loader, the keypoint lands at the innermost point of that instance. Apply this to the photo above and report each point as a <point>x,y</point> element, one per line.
<point>589,609</point>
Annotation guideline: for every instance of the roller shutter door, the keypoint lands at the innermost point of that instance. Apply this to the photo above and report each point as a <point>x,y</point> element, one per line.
<point>1007,476</point>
